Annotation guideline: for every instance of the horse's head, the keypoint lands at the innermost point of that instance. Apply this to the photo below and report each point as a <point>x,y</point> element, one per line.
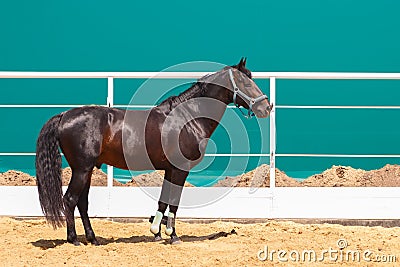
<point>246,92</point>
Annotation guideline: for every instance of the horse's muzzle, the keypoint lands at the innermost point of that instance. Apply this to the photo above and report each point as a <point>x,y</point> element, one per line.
<point>262,110</point>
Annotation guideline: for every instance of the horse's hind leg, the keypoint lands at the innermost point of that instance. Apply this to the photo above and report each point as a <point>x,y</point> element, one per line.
<point>75,189</point>
<point>83,210</point>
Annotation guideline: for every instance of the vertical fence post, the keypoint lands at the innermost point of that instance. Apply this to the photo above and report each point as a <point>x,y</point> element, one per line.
<point>110,103</point>
<point>272,132</point>
<point>272,142</point>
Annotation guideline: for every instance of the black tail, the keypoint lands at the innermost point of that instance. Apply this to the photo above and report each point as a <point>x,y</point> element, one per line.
<point>48,172</point>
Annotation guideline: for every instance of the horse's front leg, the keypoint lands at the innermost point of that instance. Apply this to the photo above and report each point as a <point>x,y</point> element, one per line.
<point>170,196</point>
<point>175,188</point>
<point>155,227</point>
<point>171,230</point>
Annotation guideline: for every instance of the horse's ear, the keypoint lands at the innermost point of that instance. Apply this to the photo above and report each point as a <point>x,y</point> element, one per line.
<point>242,63</point>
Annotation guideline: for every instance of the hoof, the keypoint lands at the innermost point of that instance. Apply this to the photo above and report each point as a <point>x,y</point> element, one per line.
<point>75,243</point>
<point>95,242</point>
<point>176,241</point>
<point>157,238</point>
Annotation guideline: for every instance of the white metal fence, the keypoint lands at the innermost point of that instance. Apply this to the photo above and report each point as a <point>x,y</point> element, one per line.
<point>273,202</point>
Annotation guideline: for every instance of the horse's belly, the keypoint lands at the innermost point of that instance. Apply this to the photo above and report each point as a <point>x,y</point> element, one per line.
<point>137,154</point>
<point>139,162</point>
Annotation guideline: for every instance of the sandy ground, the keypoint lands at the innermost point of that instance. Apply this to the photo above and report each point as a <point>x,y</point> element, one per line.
<point>34,243</point>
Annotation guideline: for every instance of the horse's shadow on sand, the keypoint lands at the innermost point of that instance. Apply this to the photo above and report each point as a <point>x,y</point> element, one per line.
<point>47,244</point>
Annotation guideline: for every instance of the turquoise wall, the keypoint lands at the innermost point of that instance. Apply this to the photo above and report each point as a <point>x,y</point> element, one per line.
<point>344,36</point>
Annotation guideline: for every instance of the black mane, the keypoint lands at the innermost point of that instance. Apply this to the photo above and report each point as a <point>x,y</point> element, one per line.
<point>196,90</point>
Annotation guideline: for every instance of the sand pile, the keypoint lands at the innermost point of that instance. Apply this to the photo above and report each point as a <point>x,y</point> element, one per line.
<point>336,176</point>
<point>259,177</point>
<point>12,178</point>
<point>339,176</point>
<point>99,178</point>
<point>389,175</point>
<point>155,178</point>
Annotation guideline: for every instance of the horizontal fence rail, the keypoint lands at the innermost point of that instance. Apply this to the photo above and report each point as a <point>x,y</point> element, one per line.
<point>272,202</point>
<point>196,75</point>
<point>337,107</point>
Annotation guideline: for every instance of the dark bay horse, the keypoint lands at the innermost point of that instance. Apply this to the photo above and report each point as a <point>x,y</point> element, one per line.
<point>171,136</point>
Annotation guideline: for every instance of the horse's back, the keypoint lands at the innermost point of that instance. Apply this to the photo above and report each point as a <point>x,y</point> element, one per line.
<point>95,135</point>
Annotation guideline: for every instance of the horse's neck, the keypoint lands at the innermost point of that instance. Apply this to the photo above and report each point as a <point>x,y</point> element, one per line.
<point>217,104</point>
<point>213,99</point>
